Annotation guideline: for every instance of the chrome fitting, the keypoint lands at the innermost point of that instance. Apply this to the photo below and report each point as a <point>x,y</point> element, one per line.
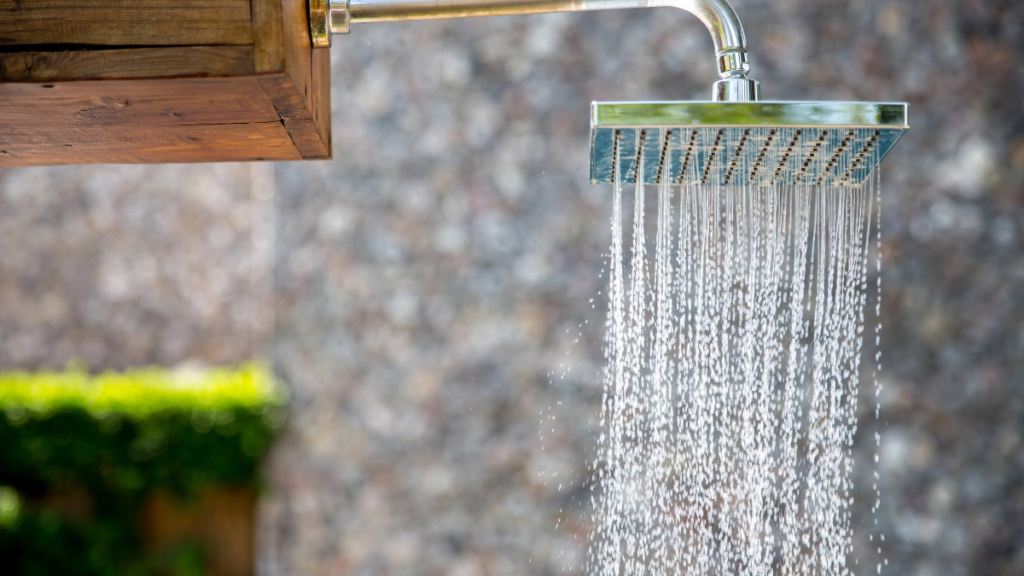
<point>341,16</point>
<point>328,17</point>
<point>320,23</point>
<point>732,62</point>
<point>736,89</point>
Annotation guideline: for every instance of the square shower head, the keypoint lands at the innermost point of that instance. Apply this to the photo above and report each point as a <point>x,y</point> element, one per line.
<point>742,143</point>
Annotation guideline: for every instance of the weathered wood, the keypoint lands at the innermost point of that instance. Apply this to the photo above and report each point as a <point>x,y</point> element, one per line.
<point>307,119</point>
<point>182,101</point>
<point>197,80</point>
<point>320,96</point>
<point>310,72</point>
<point>125,22</point>
<point>307,139</point>
<point>126,63</point>
<point>268,36</point>
<point>286,98</point>
<point>297,45</point>
<point>301,94</point>
<point>140,121</point>
<point>151,145</point>
<point>297,117</point>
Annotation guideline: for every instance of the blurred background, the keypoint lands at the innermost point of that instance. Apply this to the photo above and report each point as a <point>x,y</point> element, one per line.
<point>432,297</point>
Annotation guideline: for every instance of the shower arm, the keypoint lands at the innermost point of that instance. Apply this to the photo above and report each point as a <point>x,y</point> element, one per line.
<point>336,16</point>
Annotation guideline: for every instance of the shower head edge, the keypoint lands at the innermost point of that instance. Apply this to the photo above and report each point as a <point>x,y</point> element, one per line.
<point>768,143</point>
<point>766,113</point>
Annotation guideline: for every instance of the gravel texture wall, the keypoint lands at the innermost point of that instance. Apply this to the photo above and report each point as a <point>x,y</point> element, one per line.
<point>427,294</point>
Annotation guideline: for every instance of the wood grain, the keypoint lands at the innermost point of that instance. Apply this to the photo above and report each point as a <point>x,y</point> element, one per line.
<point>298,49</point>
<point>125,22</point>
<point>297,117</point>
<point>126,63</point>
<point>140,121</point>
<point>310,72</point>
<point>47,146</point>
<point>197,80</point>
<point>320,95</point>
<point>299,83</point>
<point>268,36</point>
<point>284,95</point>
<point>183,101</point>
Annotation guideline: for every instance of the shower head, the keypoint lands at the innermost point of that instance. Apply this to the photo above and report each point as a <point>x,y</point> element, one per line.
<point>734,140</point>
<point>742,143</point>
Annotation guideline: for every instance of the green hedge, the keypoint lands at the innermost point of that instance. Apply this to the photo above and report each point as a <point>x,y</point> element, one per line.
<point>115,437</point>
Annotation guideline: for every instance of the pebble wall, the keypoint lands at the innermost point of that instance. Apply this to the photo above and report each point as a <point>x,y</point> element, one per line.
<point>426,295</point>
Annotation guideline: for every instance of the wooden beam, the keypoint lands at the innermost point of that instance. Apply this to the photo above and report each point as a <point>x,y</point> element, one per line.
<point>181,101</point>
<point>125,22</point>
<point>297,78</point>
<point>136,76</point>
<point>126,63</point>
<point>45,146</point>
<point>320,95</point>
<point>268,36</point>
<point>297,117</point>
<point>310,73</point>
<point>141,121</point>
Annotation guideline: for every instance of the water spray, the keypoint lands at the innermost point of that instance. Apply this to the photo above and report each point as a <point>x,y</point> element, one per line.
<point>733,356</point>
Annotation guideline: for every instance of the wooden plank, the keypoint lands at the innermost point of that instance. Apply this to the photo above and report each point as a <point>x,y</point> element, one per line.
<point>286,98</point>
<point>298,49</point>
<point>126,63</point>
<point>320,95</point>
<point>310,72</point>
<point>45,146</point>
<point>297,78</point>
<point>125,22</point>
<point>140,121</point>
<point>297,117</point>
<point>308,120</point>
<point>268,36</point>
<point>182,101</point>
<point>274,77</point>
<point>307,139</point>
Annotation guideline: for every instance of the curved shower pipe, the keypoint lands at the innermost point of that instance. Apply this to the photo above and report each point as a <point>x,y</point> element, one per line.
<point>337,16</point>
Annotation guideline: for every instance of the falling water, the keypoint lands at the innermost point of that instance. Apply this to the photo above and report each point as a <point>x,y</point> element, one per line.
<point>732,373</point>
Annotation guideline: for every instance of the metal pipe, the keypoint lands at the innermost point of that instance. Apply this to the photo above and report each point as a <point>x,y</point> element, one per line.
<point>717,15</point>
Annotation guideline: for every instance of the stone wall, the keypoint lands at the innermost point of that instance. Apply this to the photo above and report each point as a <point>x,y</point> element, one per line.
<point>431,288</point>
<point>122,266</point>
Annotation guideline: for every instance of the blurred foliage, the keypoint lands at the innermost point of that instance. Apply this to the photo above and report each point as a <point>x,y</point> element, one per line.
<point>138,393</point>
<point>10,506</point>
<point>81,452</point>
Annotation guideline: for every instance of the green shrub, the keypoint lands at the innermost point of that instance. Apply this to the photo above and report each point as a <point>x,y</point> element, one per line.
<point>111,439</point>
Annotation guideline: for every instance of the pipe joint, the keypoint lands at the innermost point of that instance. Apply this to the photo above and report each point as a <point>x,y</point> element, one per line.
<point>732,63</point>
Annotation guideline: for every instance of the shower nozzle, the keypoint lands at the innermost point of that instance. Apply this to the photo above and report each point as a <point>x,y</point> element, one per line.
<point>742,143</point>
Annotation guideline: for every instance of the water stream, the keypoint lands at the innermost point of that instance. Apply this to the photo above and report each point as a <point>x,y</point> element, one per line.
<point>733,367</point>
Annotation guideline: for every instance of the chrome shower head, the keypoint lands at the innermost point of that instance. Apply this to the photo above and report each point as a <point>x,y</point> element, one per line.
<point>742,143</point>
<point>735,140</point>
